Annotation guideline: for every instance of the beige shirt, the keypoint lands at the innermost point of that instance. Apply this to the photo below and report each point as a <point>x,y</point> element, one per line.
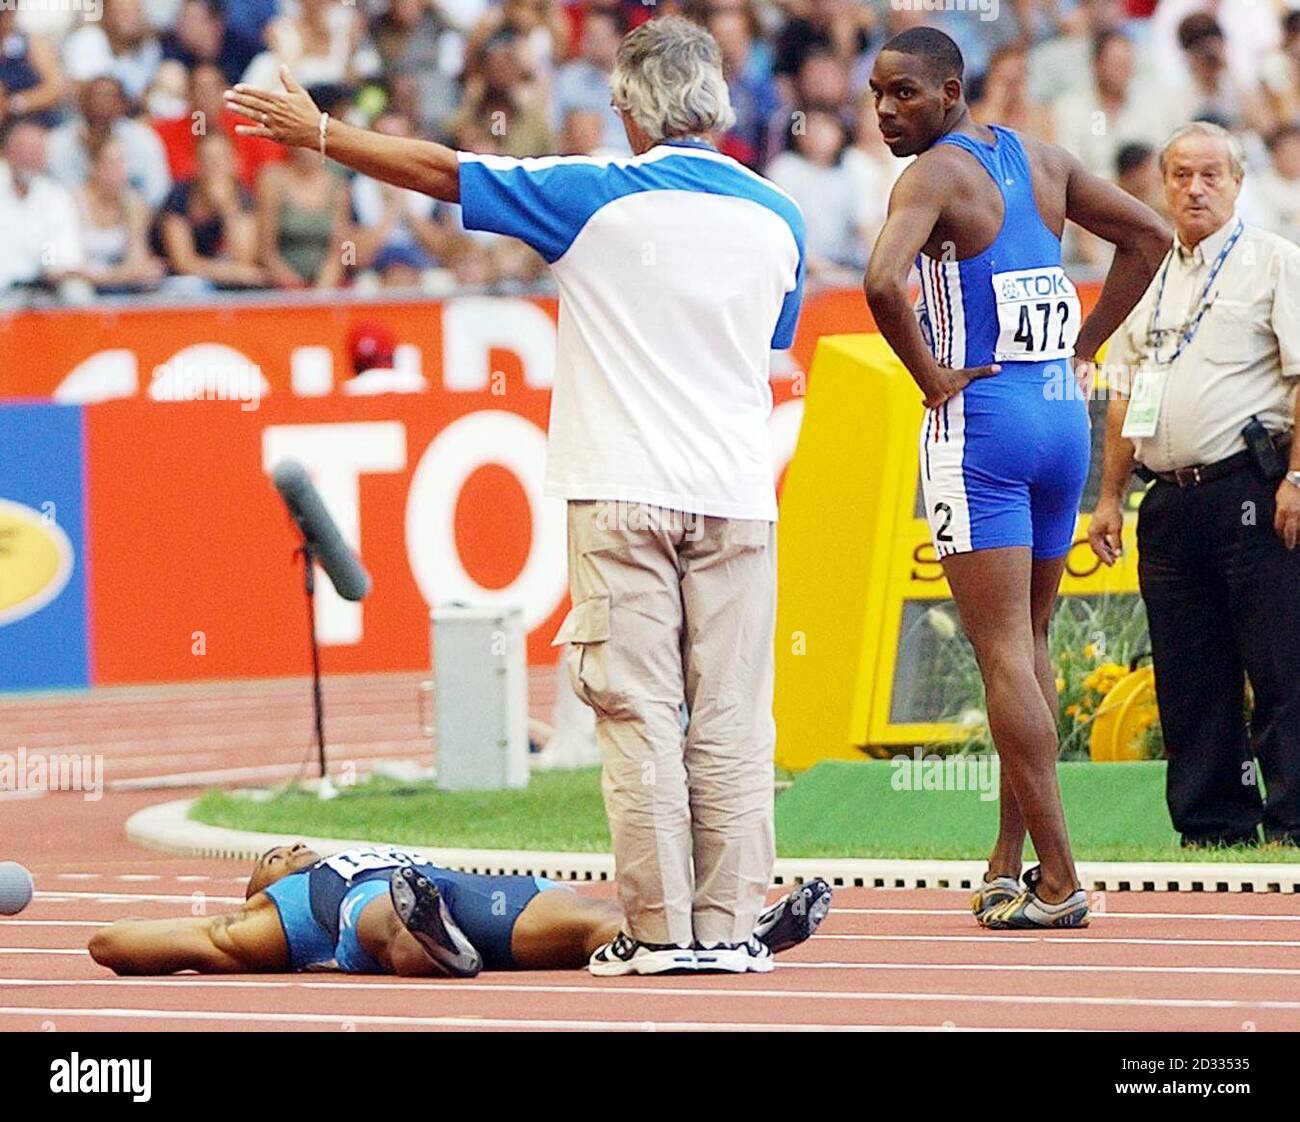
<point>1243,361</point>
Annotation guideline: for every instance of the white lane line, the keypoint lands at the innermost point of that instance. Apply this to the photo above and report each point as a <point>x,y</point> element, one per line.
<point>486,1022</point>
<point>1092,915</point>
<point>1090,940</point>
<point>42,951</point>
<point>192,878</point>
<point>1040,967</point>
<point>600,989</point>
<point>53,923</point>
<point>140,877</point>
<point>79,876</point>
<point>61,897</point>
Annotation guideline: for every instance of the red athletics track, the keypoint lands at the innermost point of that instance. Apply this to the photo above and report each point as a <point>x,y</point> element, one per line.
<point>886,958</point>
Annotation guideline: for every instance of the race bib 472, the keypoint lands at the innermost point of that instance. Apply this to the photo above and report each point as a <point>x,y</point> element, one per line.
<point>1038,314</point>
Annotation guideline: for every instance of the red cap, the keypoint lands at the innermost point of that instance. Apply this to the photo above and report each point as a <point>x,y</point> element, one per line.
<point>371,345</point>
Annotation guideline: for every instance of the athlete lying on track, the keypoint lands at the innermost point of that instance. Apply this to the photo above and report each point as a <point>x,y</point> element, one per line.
<point>388,911</point>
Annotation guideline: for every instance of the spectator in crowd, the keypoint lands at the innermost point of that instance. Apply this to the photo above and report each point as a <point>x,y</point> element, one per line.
<point>583,134</point>
<point>122,46</point>
<point>839,28</point>
<point>419,55</point>
<point>321,44</point>
<point>115,225</point>
<point>584,82</point>
<point>503,90</point>
<point>39,231</point>
<point>103,114</point>
<point>399,235</point>
<point>754,96</point>
<point>822,82</point>
<point>198,36</point>
<point>814,174</point>
<point>1278,188</point>
<point>1113,110</point>
<point>31,80</point>
<point>1250,31</point>
<point>302,222</point>
<point>1137,170</point>
<point>246,24</point>
<point>205,110</point>
<point>1061,64</point>
<point>207,230</point>
<point>539,26</point>
<point>1280,74</point>
<point>1211,91</point>
<point>1004,97</point>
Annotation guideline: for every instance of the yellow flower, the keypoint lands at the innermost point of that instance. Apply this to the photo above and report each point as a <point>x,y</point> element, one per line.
<point>1090,651</point>
<point>1060,684</point>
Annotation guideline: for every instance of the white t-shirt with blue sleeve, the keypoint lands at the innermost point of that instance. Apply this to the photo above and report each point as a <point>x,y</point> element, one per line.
<point>678,272</point>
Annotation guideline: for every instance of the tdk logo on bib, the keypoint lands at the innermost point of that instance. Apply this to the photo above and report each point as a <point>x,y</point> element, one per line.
<point>1038,315</point>
<point>1036,283</point>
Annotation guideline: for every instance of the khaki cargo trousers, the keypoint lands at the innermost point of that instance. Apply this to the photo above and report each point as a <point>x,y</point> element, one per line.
<point>673,610</point>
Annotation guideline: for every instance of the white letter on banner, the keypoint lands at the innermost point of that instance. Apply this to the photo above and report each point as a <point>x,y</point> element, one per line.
<point>336,456</point>
<point>473,325</point>
<point>486,437</point>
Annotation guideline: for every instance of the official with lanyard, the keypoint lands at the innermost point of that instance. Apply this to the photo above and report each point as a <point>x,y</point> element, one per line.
<point>1203,376</point>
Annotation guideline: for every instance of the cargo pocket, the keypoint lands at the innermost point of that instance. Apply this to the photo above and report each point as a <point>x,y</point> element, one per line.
<point>585,632</point>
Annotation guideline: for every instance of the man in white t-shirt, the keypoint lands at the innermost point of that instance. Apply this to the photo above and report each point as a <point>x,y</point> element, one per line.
<point>40,231</point>
<point>678,271</point>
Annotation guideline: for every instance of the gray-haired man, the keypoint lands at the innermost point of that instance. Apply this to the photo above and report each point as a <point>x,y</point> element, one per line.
<point>1207,364</point>
<point>678,271</point>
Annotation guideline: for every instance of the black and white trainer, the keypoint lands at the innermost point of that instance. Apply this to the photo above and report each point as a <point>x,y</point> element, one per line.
<point>625,955</point>
<point>794,918</point>
<point>424,913</point>
<point>751,956</point>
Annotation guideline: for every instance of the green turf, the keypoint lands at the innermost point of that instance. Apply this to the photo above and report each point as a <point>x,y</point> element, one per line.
<point>1116,813</point>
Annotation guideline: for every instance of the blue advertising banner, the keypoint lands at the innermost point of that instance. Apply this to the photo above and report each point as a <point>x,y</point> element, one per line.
<point>44,621</point>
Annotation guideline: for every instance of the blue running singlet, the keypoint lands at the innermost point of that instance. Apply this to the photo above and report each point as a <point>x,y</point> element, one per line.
<point>1003,463</point>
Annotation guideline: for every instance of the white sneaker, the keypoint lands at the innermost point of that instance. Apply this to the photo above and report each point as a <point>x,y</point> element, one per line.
<point>626,955</point>
<point>751,957</point>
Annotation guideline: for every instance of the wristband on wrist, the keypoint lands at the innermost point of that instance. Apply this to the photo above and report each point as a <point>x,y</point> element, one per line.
<point>324,128</point>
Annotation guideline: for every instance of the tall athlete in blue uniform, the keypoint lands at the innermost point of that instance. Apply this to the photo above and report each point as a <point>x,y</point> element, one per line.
<point>995,345</point>
<point>381,910</point>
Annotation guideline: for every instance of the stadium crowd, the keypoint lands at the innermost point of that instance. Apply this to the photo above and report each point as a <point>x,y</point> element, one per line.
<point>122,172</point>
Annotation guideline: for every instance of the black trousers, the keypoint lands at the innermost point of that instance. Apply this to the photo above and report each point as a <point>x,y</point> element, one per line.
<point>1223,601</point>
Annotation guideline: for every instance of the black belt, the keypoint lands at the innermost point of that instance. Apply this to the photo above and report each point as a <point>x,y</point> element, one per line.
<point>1208,473</point>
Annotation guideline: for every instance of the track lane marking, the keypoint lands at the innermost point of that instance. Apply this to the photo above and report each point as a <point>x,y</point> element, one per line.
<point>605,990</point>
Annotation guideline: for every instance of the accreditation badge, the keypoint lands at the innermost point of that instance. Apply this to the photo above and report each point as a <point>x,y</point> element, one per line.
<point>1144,403</point>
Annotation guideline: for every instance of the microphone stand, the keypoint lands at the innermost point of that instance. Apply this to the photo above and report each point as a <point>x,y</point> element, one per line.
<point>309,586</point>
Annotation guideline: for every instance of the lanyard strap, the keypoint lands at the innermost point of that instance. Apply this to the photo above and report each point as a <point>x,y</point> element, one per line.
<point>1203,304</point>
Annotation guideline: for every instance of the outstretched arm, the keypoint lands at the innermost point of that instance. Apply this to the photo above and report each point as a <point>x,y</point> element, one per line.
<point>1141,240</point>
<point>291,118</point>
<point>237,942</point>
<point>914,208</point>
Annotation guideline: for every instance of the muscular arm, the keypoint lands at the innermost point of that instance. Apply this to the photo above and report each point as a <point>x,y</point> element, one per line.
<point>914,208</point>
<point>245,941</point>
<point>1141,240</point>
<point>292,119</point>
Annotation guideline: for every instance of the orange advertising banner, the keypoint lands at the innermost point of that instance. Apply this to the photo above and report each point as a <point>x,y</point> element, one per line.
<point>189,553</point>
